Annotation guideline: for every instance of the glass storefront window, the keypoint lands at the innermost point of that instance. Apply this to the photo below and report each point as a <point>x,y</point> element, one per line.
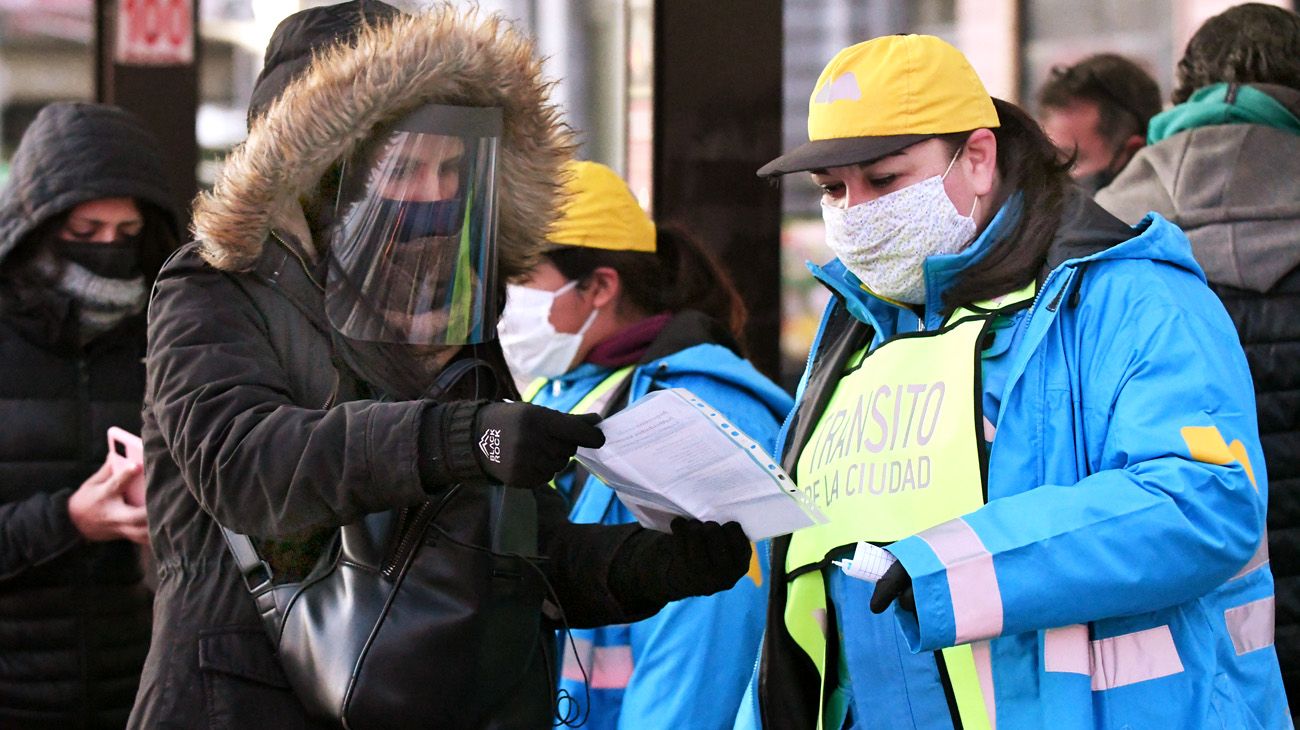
<point>1061,32</point>
<point>600,52</point>
<point>47,53</point>
<point>1151,32</point>
<point>234,34</point>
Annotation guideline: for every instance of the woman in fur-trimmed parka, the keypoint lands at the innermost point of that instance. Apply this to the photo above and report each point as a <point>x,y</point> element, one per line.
<point>271,412</point>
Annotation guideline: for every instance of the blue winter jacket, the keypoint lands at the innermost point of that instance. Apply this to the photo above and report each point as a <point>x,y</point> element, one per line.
<point>1117,576</point>
<point>686,666</point>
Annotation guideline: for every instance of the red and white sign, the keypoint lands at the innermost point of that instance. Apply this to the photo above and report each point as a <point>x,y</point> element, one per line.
<point>155,32</point>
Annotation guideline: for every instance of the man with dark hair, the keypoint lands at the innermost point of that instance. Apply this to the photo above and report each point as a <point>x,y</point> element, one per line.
<point>1223,165</point>
<point>1250,43</point>
<point>1097,110</point>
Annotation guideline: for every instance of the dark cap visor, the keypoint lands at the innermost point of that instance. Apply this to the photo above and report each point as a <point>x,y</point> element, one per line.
<point>823,153</point>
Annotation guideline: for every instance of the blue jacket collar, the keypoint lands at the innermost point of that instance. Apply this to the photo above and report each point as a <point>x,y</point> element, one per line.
<point>1154,239</point>
<point>942,271</point>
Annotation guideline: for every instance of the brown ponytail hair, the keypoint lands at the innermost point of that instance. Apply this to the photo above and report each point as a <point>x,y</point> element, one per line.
<point>1028,163</point>
<point>679,275</point>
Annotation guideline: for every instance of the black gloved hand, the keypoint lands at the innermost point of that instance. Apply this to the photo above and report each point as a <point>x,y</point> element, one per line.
<point>895,583</point>
<point>697,559</point>
<point>523,445</point>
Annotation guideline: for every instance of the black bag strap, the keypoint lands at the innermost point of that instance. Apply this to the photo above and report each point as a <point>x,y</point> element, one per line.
<point>255,571</point>
<point>457,370</point>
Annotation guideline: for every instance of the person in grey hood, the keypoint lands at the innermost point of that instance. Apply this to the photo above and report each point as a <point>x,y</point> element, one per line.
<point>349,260</point>
<point>85,222</point>
<point>1223,164</point>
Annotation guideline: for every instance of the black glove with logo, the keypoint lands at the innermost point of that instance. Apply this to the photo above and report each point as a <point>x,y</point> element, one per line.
<point>651,568</point>
<point>895,583</point>
<point>523,445</point>
<point>517,444</point>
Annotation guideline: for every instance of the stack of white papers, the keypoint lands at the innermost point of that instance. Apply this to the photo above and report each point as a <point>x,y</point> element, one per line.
<point>670,455</point>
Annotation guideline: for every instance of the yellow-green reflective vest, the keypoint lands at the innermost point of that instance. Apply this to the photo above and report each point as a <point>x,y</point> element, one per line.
<point>595,400</point>
<point>896,451</point>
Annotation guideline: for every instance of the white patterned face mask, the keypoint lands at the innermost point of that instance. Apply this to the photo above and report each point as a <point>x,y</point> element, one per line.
<point>885,241</point>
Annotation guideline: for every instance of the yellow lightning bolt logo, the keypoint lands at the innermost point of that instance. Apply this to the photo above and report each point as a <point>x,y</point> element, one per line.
<point>755,569</point>
<point>1207,445</point>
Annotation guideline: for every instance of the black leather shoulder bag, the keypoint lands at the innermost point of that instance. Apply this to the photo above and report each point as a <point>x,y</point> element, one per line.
<point>426,616</point>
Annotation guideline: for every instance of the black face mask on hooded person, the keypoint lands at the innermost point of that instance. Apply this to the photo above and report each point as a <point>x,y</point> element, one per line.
<point>119,259</point>
<point>102,281</point>
<point>412,247</point>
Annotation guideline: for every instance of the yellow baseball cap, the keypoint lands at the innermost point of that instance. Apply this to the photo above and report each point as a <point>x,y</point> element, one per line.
<point>877,97</point>
<point>601,212</point>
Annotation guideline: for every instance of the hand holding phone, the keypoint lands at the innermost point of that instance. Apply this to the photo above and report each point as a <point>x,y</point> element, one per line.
<point>124,450</point>
<point>109,505</point>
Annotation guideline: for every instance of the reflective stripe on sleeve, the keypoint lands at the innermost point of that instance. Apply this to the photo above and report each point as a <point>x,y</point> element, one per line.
<point>1251,625</point>
<point>972,582</point>
<point>1257,560</point>
<point>607,667</point>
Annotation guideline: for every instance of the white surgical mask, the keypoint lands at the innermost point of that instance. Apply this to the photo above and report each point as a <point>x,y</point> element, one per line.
<point>532,346</point>
<point>886,241</point>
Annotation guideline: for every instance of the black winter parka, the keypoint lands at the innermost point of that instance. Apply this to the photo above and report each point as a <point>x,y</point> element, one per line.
<point>248,421</point>
<point>252,422</point>
<point>74,616</point>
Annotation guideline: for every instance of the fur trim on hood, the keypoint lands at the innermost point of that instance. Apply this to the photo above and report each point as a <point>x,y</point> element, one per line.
<point>442,56</point>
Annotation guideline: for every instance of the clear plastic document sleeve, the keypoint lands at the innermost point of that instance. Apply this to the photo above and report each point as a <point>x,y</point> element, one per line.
<point>671,454</point>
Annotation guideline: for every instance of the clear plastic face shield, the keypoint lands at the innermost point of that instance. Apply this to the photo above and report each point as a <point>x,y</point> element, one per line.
<point>413,246</point>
